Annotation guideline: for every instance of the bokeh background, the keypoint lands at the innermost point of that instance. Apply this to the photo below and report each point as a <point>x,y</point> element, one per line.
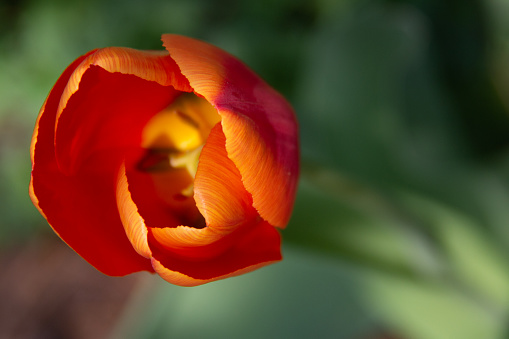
<point>401,225</point>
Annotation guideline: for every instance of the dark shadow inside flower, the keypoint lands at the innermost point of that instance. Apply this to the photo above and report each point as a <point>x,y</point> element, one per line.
<point>155,160</point>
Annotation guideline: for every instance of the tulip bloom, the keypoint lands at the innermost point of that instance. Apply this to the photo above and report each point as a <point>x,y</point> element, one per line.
<point>181,162</point>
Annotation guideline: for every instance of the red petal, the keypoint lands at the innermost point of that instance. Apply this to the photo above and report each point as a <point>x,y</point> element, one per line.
<point>111,252</point>
<point>259,125</point>
<point>104,116</point>
<point>157,208</point>
<point>52,102</point>
<point>82,208</point>
<point>258,248</point>
<point>154,66</point>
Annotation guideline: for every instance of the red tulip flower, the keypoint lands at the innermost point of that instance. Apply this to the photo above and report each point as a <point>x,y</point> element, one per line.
<point>181,162</point>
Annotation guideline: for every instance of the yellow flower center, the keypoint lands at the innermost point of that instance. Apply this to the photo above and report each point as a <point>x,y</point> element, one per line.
<point>173,140</point>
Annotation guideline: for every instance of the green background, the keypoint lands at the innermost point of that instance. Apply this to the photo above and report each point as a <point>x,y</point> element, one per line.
<point>401,223</point>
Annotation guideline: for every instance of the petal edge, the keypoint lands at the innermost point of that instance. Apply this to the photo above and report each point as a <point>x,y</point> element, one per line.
<point>259,125</point>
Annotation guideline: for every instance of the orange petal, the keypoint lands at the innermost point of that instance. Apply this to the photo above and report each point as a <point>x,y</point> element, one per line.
<point>191,243</point>
<point>218,190</point>
<point>259,125</point>
<point>222,200</point>
<point>182,237</point>
<point>258,248</point>
<point>133,222</point>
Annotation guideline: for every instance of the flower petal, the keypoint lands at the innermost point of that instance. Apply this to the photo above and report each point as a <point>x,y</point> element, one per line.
<point>105,115</point>
<point>154,196</point>
<point>218,190</point>
<point>148,65</point>
<point>191,243</point>
<point>259,125</point>
<point>54,95</point>
<point>133,222</point>
<point>82,208</point>
<point>258,248</point>
<point>222,200</point>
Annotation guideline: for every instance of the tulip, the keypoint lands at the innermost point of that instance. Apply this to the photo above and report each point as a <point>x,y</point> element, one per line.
<point>180,162</point>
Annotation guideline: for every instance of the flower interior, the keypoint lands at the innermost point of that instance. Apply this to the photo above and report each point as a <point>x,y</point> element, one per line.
<point>172,142</point>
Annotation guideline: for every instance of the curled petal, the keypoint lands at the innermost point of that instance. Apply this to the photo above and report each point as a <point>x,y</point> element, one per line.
<point>191,243</point>
<point>218,190</point>
<point>182,237</point>
<point>133,222</point>
<point>259,247</point>
<point>222,200</point>
<point>259,125</point>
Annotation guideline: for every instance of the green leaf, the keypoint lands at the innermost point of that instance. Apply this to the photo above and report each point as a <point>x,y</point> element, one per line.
<point>429,311</point>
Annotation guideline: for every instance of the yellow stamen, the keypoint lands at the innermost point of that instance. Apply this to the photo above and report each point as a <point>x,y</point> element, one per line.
<point>175,136</point>
<point>189,161</point>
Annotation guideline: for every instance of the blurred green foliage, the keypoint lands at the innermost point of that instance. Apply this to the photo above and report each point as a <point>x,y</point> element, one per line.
<point>401,222</point>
